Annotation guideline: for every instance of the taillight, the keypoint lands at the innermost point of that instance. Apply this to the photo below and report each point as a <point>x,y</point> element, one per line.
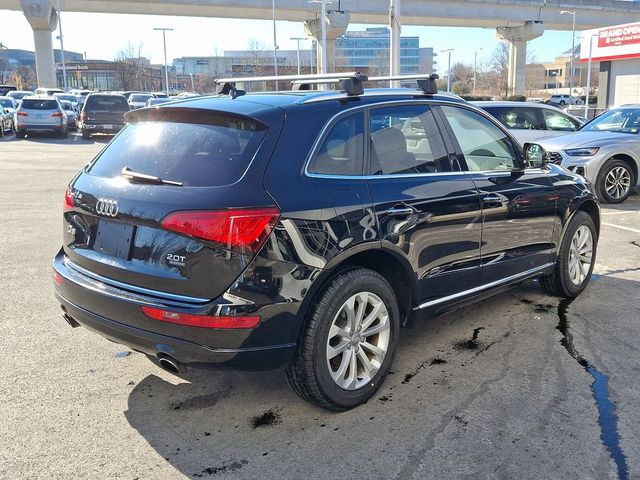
<point>23,114</point>
<point>204,321</point>
<point>68,200</point>
<point>56,114</point>
<point>234,229</point>
<point>57,278</point>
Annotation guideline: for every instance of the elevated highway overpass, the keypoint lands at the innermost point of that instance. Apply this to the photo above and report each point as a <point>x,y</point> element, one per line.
<point>516,21</point>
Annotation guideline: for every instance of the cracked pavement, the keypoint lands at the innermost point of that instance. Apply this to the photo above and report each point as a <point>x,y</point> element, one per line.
<point>487,391</point>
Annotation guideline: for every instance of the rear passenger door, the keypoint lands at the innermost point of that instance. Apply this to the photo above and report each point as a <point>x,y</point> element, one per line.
<point>518,203</point>
<point>426,209</point>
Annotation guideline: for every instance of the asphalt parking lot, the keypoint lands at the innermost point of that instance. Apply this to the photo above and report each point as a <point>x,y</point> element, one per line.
<point>519,386</point>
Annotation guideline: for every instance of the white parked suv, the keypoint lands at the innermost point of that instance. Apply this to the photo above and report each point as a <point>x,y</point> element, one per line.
<point>563,100</point>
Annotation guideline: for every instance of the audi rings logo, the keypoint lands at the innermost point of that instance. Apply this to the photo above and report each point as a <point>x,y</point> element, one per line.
<point>106,207</point>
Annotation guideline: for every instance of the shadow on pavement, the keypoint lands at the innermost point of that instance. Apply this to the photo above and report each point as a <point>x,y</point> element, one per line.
<point>211,424</point>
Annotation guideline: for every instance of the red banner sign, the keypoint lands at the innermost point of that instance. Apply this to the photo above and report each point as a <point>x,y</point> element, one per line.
<point>618,36</point>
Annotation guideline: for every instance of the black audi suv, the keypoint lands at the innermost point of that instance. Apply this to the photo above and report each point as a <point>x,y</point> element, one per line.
<point>301,230</point>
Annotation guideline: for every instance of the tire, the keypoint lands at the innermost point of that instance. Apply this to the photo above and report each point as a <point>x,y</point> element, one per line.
<point>64,134</point>
<point>310,373</point>
<point>20,134</point>
<point>615,181</point>
<point>86,134</point>
<point>560,282</point>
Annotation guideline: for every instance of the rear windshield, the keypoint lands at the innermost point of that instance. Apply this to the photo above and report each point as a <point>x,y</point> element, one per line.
<point>195,154</point>
<point>39,104</point>
<point>139,98</point>
<point>104,102</point>
<point>6,103</point>
<point>70,98</point>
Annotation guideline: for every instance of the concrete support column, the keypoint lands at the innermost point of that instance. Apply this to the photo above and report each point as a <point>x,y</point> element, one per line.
<point>43,19</point>
<point>336,25</point>
<point>518,38</point>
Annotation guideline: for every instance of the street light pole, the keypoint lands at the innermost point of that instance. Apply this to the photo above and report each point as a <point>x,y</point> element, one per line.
<point>573,49</point>
<point>166,67</point>
<point>449,50</point>
<point>275,43</point>
<point>475,69</point>
<point>586,99</point>
<point>64,66</point>
<point>298,40</point>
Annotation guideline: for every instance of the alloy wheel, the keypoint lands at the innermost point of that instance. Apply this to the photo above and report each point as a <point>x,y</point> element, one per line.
<point>580,255</point>
<point>618,182</point>
<point>358,340</point>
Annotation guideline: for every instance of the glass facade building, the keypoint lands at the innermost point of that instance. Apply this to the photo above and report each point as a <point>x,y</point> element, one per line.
<point>369,49</point>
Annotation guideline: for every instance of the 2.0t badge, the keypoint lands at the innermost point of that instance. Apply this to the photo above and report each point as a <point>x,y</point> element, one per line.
<point>107,207</point>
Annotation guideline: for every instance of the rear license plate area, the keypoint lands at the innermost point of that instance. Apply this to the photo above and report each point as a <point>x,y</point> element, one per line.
<point>114,239</point>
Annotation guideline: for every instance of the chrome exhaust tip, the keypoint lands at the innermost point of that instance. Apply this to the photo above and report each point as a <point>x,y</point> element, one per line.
<point>169,364</point>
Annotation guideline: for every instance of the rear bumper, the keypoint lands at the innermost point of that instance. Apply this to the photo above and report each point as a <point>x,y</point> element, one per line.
<point>114,312</point>
<point>103,128</point>
<point>189,354</point>
<point>40,128</point>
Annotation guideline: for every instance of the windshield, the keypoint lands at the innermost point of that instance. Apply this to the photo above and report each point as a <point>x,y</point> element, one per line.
<point>624,120</point>
<point>6,103</point>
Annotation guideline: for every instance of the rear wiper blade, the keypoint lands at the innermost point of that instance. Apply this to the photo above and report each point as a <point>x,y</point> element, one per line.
<point>144,178</point>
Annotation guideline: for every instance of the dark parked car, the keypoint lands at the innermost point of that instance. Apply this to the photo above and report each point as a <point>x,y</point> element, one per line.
<point>103,113</point>
<point>300,230</point>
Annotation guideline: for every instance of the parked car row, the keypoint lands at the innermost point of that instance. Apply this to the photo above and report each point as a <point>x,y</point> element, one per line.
<point>606,150</point>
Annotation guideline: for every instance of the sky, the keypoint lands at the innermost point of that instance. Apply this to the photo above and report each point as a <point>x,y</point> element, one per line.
<point>101,36</point>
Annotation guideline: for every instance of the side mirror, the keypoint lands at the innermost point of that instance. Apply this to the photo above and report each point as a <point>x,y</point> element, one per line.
<point>535,156</point>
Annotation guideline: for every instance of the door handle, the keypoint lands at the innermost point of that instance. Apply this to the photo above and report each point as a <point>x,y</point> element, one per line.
<point>492,200</point>
<point>400,211</point>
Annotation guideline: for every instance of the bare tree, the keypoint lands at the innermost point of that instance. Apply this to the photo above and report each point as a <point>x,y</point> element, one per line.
<point>25,77</point>
<point>128,65</point>
<point>5,70</point>
<point>205,83</point>
<point>500,64</point>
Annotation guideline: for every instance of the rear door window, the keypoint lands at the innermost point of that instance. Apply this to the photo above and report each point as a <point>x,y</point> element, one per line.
<point>107,103</point>
<point>33,104</point>
<point>198,155</point>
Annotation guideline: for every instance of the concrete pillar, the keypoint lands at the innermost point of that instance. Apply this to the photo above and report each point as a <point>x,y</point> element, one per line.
<point>336,25</point>
<point>43,19</point>
<point>518,38</point>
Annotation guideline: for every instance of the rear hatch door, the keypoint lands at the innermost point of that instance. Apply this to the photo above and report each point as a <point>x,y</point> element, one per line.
<point>105,109</point>
<point>182,234</point>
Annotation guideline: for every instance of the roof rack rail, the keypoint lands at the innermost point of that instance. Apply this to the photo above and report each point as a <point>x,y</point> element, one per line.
<point>350,82</point>
<point>426,81</point>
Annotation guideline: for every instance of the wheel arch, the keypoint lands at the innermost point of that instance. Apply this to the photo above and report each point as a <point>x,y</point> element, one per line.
<point>590,207</point>
<point>627,158</point>
<point>387,263</point>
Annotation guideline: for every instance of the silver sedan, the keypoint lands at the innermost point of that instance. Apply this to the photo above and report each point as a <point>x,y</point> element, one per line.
<point>606,151</point>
